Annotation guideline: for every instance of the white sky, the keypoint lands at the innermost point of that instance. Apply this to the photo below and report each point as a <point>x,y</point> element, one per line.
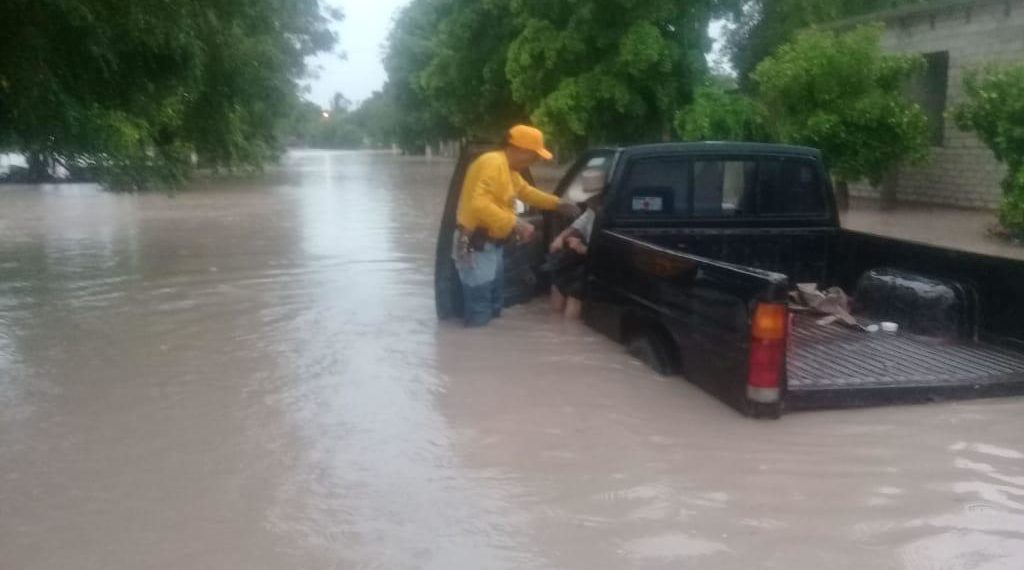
<point>717,58</point>
<point>361,37</point>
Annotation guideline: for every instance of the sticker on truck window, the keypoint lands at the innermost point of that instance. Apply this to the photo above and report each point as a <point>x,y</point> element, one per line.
<point>648,204</point>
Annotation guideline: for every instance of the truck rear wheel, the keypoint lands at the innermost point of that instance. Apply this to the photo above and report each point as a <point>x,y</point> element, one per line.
<point>652,350</point>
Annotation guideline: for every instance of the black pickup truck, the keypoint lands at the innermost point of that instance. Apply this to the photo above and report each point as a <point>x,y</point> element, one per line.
<point>696,253</point>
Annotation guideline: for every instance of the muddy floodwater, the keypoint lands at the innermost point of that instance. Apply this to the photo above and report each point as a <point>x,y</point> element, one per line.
<point>251,376</point>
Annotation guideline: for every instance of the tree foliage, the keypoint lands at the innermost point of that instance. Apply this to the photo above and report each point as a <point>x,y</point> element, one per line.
<point>994,109</point>
<point>586,71</point>
<point>376,119</point>
<point>410,50</point>
<point>369,125</point>
<point>720,114</point>
<point>603,71</point>
<point>762,26</point>
<point>842,94</point>
<point>136,88</point>
<point>466,80</point>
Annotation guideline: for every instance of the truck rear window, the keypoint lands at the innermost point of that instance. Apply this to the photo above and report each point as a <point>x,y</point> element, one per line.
<point>724,188</point>
<point>658,187</point>
<point>789,187</point>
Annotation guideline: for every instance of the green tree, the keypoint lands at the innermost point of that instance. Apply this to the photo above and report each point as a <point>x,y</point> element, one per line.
<point>601,71</point>
<point>994,109</point>
<point>377,119</point>
<point>336,131</point>
<point>466,78</point>
<point>340,104</point>
<point>842,94</point>
<point>724,114</point>
<point>587,71</point>
<point>254,54</point>
<point>369,125</point>
<point>60,67</point>
<point>762,26</point>
<point>410,50</point>
<point>303,120</point>
<point>137,88</point>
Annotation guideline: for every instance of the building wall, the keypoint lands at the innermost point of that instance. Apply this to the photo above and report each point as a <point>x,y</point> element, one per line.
<point>963,172</point>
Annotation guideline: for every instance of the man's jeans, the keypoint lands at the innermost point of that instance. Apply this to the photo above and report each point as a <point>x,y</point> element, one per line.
<point>483,283</point>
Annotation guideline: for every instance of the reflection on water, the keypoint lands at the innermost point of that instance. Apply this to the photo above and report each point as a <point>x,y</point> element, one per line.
<point>251,376</point>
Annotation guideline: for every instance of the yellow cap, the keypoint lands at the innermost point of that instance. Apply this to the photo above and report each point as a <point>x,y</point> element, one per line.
<point>529,138</point>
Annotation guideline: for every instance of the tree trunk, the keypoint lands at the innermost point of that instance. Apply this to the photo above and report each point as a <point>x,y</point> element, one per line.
<point>842,195</point>
<point>890,189</point>
<point>38,167</point>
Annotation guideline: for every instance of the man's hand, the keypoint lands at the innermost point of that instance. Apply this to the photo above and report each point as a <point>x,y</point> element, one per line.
<point>525,231</point>
<point>557,245</point>
<point>576,244</point>
<point>568,209</point>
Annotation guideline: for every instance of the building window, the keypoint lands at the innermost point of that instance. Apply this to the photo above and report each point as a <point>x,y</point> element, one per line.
<point>929,89</point>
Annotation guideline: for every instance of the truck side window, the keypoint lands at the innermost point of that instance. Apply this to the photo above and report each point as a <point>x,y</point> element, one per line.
<point>789,187</point>
<point>657,187</point>
<point>596,163</point>
<point>724,188</point>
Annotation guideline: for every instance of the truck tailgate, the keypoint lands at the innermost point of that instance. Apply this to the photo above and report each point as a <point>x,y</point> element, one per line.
<point>832,366</point>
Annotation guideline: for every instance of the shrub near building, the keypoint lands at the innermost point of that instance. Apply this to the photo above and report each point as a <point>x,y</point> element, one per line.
<point>994,109</point>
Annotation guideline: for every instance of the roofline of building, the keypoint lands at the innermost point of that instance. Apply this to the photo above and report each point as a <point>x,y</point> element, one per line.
<point>913,10</point>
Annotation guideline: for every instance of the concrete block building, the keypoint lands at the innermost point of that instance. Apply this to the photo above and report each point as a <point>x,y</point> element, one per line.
<point>954,36</point>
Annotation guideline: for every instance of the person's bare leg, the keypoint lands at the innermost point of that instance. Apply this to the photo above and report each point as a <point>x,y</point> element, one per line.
<point>573,308</point>
<point>557,300</point>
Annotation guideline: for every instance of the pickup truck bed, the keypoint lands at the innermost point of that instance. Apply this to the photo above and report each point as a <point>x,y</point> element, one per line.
<point>834,366</point>
<point>698,286</point>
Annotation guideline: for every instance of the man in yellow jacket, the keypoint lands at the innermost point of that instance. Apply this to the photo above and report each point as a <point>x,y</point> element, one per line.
<point>487,219</point>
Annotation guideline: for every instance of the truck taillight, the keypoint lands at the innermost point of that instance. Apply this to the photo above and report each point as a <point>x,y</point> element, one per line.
<point>770,320</point>
<point>770,328</point>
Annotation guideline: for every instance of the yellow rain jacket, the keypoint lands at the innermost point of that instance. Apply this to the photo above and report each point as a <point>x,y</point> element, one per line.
<point>489,193</point>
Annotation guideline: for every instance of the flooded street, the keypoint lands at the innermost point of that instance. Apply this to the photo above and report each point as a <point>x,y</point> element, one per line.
<point>252,376</point>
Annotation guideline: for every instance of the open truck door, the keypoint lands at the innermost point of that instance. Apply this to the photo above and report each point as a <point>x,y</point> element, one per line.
<point>521,260</point>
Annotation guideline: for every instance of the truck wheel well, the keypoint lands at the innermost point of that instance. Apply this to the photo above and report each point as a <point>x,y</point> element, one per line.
<point>634,325</point>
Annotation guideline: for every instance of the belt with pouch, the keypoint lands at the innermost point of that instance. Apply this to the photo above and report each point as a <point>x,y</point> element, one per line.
<point>479,237</point>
